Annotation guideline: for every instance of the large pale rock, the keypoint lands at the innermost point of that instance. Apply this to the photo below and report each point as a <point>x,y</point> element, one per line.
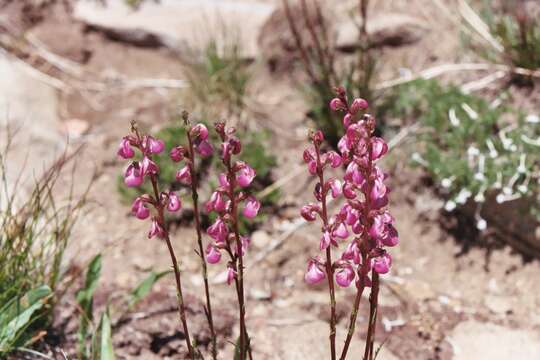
<point>29,107</point>
<point>180,25</point>
<point>383,30</point>
<point>473,340</point>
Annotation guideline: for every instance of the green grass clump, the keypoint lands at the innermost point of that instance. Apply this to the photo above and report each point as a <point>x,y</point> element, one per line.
<point>35,232</point>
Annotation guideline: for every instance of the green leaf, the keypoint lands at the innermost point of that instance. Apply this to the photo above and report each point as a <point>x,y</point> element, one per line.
<point>18,315</point>
<point>106,352</point>
<point>145,287</point>
<point>92,277</point>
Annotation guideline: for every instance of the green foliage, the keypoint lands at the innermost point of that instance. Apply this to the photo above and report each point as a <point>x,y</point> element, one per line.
<point>95,342</point>
<point>18,315</point>
<point>470,147</point>
<point>516,30</point>
<point>35,231</point>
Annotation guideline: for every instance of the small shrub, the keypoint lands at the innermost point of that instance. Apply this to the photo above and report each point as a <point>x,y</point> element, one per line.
<point>470,147</point>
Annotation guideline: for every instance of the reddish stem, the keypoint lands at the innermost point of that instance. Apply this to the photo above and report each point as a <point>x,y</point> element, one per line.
<point>195,198</point>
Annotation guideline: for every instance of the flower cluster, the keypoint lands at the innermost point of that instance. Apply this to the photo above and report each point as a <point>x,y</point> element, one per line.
<point>363,218</point>
<point>225,202</point>
<point>135,175</point>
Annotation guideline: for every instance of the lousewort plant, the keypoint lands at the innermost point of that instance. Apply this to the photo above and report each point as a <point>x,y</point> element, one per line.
<point>225,202</point>
<point>160,201</point>
<point>363,221</point>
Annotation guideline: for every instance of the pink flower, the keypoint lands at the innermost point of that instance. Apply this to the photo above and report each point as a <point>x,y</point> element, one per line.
<point>310,211</point>
<point>173,203</point>
<point>124,150</point>
<point>199,132</point>
<point>139,209</point>
<point>231,275</point>
<point>357,105</point>
<point>352,253</point>
<point>347,120</point>
<point>212,254</point>
<point>251,208</point>
<point>134,175</point>
<point>245,176</point>
<point>348,191</point>
<point>354,175</point>
<point>218,231</point>
<point>345,276</point>
<point>379,194</point>
<point>312,167</point>
<point>336,104</point>
<point>246,241</point>
<point>223,181</point>
<point>314,274</point>
<point>333,158</point>
<point>378,148</point>
<point>326,240</point>
<point>156,229</point>
<point>204,148</point>
<point>152,145</point>
<point>177,153</point>
<point>184,175</point>
<point>216,202</point>
<point>149,167</point>
<point>341,231</point>
<point>381,264</point>
<point>336,187</point>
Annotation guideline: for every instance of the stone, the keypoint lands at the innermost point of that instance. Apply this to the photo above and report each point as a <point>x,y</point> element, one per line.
<point>29,108</point>
<point>473,340</point>
<point>75,128</point>
<point>383,30</point>
<point>181,26</point>
<point>260,239</point>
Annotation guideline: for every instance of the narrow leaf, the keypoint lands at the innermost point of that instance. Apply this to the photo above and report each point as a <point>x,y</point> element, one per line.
<point>145,287</point>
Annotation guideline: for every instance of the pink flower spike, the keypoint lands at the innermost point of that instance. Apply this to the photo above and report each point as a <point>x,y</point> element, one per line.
<point>213,255</point>
<point>184,175</point>
<point>251,208</point>
<point>139,209</point>
<point>156,229</point>
<point>381,264</point>
<point>245,176</point>
<point>174,203</point>
<point>378,148</point>
<point>231,275</point>
<point>358,105</point>
<point>149,167</point>
<point>314,274</point>
<point>204,148</point>
<point>336,104</point>
<point>154,146</point>
<point>177,153</point>
<point>125,150</point>
<point>134,175</point>
<point>199,132</point>
<point>345,276</point>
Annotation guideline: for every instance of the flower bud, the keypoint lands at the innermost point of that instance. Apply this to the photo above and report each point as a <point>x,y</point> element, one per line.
<point>245,176</point>
<point>173,203</point>
<point>204,148</point>
<point>184,175</point>
<point>378,148</point>
<point>358,105</point>
<point>124,150</point>
<point>213,255</point>
<point>251,207</point>
<point>134,175</point>
<point>199,132</point>
<point>309,212</point>
<point>156,229</point>
<point>139,209</point>
<point>336,104</point>
<point>177,153</point>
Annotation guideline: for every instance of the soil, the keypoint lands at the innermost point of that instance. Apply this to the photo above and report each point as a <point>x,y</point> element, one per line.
<point>444,272</point>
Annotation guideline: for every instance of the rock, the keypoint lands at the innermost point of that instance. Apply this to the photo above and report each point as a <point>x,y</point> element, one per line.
<point>278,46</point>
<point>29,107</point>
<point>472,340</point>
<point>498,304</point>
<point>75,128</point>
<point>383,30</point>
<point>180,25</point>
